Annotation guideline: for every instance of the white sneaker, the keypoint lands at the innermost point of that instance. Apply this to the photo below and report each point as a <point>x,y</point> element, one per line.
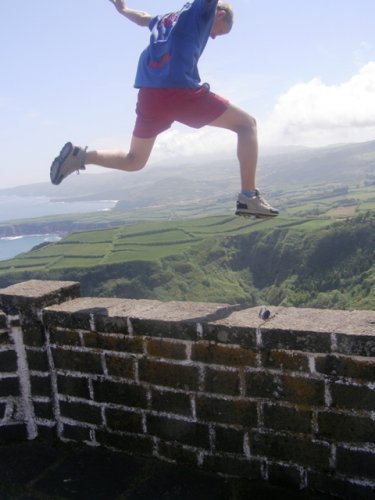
<point>255,206</point>
<point>71,159</point>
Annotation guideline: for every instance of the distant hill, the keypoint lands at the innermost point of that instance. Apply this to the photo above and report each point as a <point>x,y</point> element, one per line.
<point>346,163</point>
<point>192,181</point>
<point>173,235</point>
<point>335,182</point>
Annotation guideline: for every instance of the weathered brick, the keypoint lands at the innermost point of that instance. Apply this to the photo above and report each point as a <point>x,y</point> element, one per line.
<point>82,412</point>
<point>79,361</point>
<point>285,360</point>
<point>36,294</point>
<point>43,409</point>
<point>341,488</point>
<point>120,366</point>
<point>298,450</point>
<point>3,321</point>
<point>166,349</point>
<point>114,342</point>
<point>4,337</point>
<point>171,402</point>
<point>178,453</point>
<point>222,382</point>
<point>47,432</point>
<point>33,333</point>
<point>356,345</point>
<point>235,412</point>
<point>65,337</point>
<point>346,428</point>
<point>3,407</point>
<point>184,377</point>
<point>355,462</point>
<point>358,397</point>
<point>229,440</point>
<point>181,330</point>
<point>110,324</point>
<point>234,466</point>
<point>301,390</point>
<point>37,360</point>
<point>67,319</point>
<point>296,340</point>
<point>15,322</point>
<point>284,475</point>
<point>8,361</point>
<point>40,386</point>
<point>73,386</point>
<point>347,366</point>
<point>76,433</point>
<point>221,354</point>
<point>224,334</point>
<point>283,418</point>
<point>120,393</point>
<point>215,368</point>
<point>131,443</point>
<point>170,429</point>
<point>122,420</point>
<point>9,387</point>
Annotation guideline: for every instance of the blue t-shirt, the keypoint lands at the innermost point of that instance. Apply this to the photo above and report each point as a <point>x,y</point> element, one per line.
<point>176,44</point>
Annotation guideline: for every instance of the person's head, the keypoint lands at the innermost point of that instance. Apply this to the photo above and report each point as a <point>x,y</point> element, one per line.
<point>223,20</point>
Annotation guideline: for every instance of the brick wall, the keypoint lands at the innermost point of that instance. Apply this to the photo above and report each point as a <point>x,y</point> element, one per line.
<point>290,400</point>
<point>25,377</point>
<point>12,421</point>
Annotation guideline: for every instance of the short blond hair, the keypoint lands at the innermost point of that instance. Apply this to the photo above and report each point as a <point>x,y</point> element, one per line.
<point>229,16</point>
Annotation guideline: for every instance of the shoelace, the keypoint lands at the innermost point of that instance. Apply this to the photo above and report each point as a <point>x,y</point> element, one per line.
<point>262,200</point>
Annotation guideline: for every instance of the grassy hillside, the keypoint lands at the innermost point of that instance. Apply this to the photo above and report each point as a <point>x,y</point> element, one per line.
<point>171,237</point>
<point>331,267</point>
<point>290,261</point>
<point>151,259</point>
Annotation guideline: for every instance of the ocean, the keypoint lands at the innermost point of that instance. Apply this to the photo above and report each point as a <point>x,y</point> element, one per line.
<point>20,207</point>
<point>12,246</point>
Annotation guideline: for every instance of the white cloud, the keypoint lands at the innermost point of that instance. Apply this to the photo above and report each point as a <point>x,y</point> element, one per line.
<point>311,114</point>
<point>362,53</point>
<point>177,142</point>
<point>314,113</point>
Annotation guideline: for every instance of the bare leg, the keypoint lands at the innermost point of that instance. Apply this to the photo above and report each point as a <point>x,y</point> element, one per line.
<point>244,126</point>
<point>135,159</point>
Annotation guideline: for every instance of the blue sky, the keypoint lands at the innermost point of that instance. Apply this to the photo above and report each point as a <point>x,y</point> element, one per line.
<point>305,70</point>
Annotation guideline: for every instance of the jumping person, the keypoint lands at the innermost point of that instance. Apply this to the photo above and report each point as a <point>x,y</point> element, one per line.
<point>170,90</point>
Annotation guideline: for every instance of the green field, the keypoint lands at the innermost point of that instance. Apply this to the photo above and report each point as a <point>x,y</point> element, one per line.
<point>145,241</point>
<point>318,253</point>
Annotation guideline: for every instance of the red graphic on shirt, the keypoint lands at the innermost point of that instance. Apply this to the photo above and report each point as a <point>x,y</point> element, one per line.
<point>170,19</point>
<point>161,62</point>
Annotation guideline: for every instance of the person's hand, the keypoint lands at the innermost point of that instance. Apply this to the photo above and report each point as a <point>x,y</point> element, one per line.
<point>119,4</point>
<point>136,16</point>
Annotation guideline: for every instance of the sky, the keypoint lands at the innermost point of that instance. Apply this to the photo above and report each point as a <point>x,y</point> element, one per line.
<point>304,69</point>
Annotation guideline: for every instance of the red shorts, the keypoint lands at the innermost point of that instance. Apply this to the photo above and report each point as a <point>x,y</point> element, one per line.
<point>157,109</point>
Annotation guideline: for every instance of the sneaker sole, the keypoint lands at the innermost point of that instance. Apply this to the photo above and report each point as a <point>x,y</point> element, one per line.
<point>57,163</point>
<point>256,216</point>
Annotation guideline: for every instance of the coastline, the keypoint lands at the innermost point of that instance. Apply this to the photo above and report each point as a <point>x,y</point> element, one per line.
<point>11,246</point>
<point>35,227</point>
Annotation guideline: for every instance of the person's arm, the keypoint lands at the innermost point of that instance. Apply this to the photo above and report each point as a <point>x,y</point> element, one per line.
<point>136,16</point>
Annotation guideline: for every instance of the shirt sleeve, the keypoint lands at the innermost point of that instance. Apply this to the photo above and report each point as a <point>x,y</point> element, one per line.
<point>207,6</point>
<point>152,23</point>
